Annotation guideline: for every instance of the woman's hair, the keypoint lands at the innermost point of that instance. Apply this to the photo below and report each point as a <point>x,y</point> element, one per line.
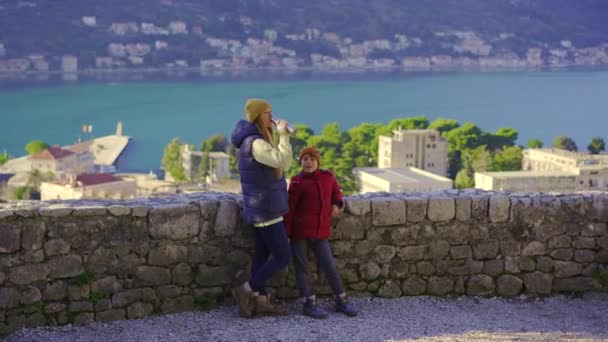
<point>269,138</point>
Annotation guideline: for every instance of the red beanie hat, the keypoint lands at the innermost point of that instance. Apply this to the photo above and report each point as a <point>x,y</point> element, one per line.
<point>311,151</point>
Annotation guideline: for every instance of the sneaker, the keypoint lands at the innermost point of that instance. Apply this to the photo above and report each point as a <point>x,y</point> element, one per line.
<point>312,310</point>
<point>243,300</point>
<point>342,305</point>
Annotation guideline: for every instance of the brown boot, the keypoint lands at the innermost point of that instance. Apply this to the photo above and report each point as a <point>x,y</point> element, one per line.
<point>263,307</point>
<point>243,299</point>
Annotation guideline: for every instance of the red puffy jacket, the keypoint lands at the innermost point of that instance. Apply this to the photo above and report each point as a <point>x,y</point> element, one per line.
<point>311,196</point>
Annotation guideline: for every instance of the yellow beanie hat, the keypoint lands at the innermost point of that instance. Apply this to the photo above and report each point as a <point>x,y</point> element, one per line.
<point>255,108</point>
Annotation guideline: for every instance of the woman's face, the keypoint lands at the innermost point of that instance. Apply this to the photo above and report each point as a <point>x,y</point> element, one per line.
<point>266,118</point>
<point>309,163</point>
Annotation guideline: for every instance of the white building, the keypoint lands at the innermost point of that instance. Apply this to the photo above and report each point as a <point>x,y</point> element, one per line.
<point>89,186</point>
<point>61,161</point>
<point>90,21</point>
<point>69,63</point>
<point>550,170</point>
<point>425,149</point>
<point>409,179</point>
<point>219,164</point>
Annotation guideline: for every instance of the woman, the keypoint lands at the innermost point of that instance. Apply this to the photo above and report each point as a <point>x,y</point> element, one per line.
<point>261,166</point>
<point>314,198</point>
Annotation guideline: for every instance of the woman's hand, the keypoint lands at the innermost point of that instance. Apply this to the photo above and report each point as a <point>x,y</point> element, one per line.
<point>282,126</point>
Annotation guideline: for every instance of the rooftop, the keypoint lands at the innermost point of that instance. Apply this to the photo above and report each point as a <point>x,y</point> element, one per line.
<point>403,175</point>
<point>52,153</point>
<point>529,174</point>
<point>86,179</point>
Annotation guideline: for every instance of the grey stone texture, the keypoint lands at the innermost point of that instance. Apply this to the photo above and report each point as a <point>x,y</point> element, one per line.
<point>79,263</point>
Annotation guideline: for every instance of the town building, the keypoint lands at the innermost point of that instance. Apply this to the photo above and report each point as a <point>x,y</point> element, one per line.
<point>219,164</point>
<point>424,149</point>
<point>408,179</point>
<point>89,186</point>
<point>550,170</point>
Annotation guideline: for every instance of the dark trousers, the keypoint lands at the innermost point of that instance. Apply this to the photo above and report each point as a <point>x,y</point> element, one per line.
<point>326,263</point>
<point>271,254</point>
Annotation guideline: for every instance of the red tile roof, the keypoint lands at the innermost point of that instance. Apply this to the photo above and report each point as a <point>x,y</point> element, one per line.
<point>52,153</point>
<point>96,178</point>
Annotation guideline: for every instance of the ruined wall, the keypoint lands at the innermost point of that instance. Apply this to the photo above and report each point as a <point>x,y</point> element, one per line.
<point>79,262</point>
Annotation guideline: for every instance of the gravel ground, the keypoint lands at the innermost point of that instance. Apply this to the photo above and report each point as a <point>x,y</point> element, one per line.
<point>403,319</point>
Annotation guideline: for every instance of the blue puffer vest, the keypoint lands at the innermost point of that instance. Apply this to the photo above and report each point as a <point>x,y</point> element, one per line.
<point>264,196</point>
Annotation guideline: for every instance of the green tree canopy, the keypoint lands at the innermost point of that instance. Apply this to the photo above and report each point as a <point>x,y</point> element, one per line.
<point>508,159</point>
<point>481,159</point>
<point>3,157</point>
<point>502,137</point>
<point>565,143</point>
<point>444,125</point>
<point>417,122</point>
<point>464,179</point>
<point>36,146</point>
<point>465,137</point>
<point>234,161</point>
<point>596,145</point>
<point>363,141</point>
<point>535,143</point>
<point>172,161</point>
<point>205,165</point>
<point>216,143</point>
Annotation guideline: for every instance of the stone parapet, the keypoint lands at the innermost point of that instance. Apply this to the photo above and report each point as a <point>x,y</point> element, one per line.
<point>83,261</point>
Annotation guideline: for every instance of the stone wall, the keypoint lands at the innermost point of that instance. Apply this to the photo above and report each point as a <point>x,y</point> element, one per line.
<point>79,262</point>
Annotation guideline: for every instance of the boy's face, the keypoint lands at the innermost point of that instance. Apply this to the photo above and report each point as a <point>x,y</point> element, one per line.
<point>309,164</point>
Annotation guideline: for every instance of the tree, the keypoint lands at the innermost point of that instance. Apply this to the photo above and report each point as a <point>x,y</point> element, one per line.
<point>216,143</point>
<point>454,162</point>
<point>21,193</point>
<point>464,137</point>
<point>481,159</point>
<point>502,137</point>
<point>35,177</point>
<point>172,160</point>
<point>464,180</point>
<point>444,125</point>
<point>508,159</point>
<point>3,157</point>
<point>535,143</point>
<point>417,122</point>
<point>465,177</point>
<point>364,140</point>
<point>596,145</point>
<point>565,143</point>
<point>205,164</point>
<point>234,160</point>
<point>36,146</point>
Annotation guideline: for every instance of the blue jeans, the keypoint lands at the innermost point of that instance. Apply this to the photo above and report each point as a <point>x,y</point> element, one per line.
<point>271,254</point>
<point>326,263</point>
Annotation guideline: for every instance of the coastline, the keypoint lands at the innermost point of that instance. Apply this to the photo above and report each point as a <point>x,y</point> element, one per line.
<point>291,70</point>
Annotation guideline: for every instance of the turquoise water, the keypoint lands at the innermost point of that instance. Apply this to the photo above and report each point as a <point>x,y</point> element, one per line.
<point>537,104</point>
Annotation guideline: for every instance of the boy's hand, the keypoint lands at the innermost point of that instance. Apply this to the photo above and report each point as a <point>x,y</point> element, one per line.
<point>335,210</point>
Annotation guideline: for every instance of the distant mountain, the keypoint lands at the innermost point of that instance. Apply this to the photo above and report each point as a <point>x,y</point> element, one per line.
<point>150,32</point>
